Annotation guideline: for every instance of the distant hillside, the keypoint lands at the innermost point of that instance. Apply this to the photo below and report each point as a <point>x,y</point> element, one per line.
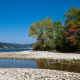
<point>21,45</point>
<point>6,45</point>
<point>13,45</point>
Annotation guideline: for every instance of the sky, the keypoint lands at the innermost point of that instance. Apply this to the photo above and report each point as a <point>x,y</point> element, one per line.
<point>16,16</point>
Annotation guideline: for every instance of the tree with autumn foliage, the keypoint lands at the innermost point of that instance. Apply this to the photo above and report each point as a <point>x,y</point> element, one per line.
<point>53,35</point>
<point>72,32</point>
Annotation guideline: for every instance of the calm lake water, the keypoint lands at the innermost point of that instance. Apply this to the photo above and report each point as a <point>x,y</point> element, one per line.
<point>11,63</point>
<point>12,50</point>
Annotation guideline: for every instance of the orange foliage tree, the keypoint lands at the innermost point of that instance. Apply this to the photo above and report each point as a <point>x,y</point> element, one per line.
<point>72,31</point>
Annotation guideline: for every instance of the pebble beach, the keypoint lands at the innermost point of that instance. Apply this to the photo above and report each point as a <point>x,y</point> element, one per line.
<point>39,55</point>
<point>37,74</point>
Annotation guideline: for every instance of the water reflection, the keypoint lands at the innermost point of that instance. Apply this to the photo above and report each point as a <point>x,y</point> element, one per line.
<point>58,66</point>
<point>42,64</point>
<point>11,63</point>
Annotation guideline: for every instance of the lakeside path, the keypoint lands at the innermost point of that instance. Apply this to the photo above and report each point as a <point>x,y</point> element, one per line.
<point>37,74</point>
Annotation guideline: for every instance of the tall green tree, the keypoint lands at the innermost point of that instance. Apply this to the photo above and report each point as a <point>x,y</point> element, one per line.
<point>43,32</point>
<point>58,34</point>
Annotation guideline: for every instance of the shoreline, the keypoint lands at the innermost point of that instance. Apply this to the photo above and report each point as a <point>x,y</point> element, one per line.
<point>36,74</point>
<point>42,55</point>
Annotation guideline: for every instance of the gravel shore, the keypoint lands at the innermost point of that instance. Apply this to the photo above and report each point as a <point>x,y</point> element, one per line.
<point>39,55</point>
<point>36,74</point>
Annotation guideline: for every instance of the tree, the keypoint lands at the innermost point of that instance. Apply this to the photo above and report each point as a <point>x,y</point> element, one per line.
<point>58,35</point>
<point>72,33</point>
<point>72,17</point>
<point>43,32</point>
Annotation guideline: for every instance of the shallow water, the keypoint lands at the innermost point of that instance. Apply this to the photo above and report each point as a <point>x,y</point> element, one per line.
<point>11,63</point>
<point>58,66</point>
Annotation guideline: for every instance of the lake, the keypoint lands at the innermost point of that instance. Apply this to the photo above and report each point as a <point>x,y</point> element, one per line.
<point>11,63</point>
<point>13,50</point>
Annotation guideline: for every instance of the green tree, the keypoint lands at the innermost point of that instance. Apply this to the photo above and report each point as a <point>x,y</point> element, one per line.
<point>72,17</point>
<point>43,32</point>
<point>58,35</point>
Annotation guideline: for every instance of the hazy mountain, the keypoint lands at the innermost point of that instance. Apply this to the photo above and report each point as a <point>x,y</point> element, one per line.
<point>13,45</point>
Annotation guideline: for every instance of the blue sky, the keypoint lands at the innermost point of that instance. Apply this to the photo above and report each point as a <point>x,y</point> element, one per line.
<point>16,16</point>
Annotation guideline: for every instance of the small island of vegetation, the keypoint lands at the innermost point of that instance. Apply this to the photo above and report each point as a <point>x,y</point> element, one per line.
<point>53,36</point>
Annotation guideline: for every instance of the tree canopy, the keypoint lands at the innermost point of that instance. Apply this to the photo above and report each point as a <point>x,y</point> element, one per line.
<point>72,33</point>
<point>53,35</point>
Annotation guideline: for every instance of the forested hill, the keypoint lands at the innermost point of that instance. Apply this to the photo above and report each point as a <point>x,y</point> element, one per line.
<point>13,45</point>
